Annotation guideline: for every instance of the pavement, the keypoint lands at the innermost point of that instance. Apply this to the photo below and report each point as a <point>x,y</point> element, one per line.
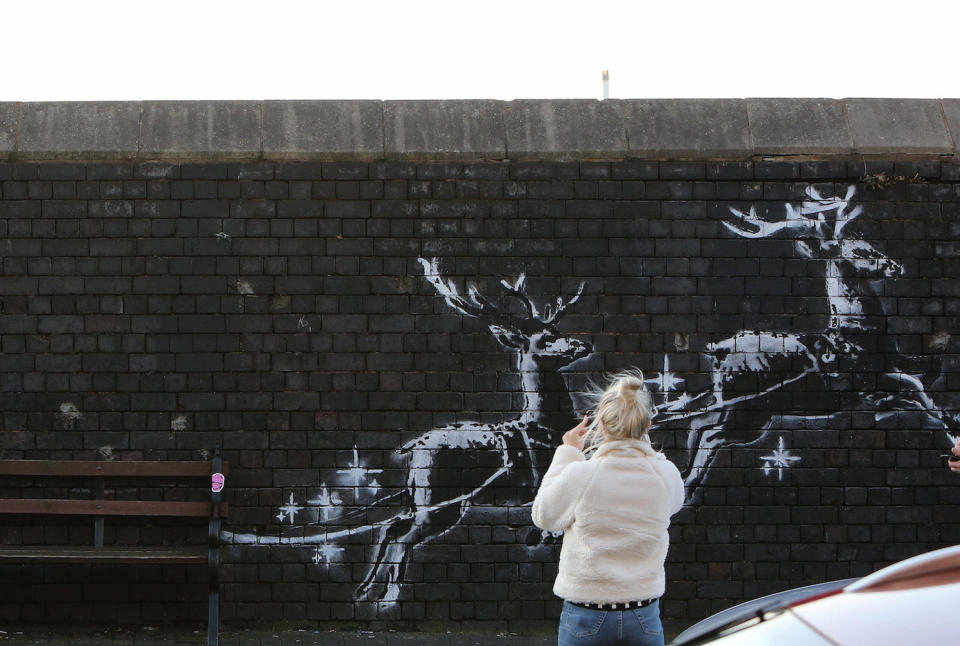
<point>58,635</point>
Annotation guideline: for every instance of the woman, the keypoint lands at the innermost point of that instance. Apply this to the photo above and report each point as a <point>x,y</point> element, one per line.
<point>614,511</point>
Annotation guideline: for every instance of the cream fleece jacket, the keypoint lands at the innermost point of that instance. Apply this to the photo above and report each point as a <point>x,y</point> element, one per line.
<point>614,510</point>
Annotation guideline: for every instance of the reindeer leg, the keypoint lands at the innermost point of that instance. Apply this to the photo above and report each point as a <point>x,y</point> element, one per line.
<point>396,548</point>
<point>401,551</point>
<point>702,429</point>
<point>363,590</point>
<point>702,460</point>
<point>387,555</point>
<point>400,534</point>
<point>712,439</point>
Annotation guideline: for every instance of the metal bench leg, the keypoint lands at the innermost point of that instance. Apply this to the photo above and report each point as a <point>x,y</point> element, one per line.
<point>213,554</point>
<point>213,619</point>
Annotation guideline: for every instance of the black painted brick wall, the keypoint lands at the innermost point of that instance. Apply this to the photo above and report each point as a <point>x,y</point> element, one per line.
<point>280,311</point>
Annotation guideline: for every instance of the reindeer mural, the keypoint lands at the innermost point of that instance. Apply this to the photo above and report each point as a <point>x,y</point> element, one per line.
<point>512,454</point>
<point>749,369</point>
<point>739,402</point>
<point>522,444</point>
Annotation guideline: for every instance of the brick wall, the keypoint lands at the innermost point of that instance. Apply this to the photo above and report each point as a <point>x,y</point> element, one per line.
<point>386,428</point>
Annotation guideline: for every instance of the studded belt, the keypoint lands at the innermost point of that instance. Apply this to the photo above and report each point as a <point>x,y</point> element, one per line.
<point>627,605</point>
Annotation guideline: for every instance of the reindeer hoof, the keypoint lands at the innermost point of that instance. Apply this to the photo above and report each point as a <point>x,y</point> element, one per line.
<point>365,593</point>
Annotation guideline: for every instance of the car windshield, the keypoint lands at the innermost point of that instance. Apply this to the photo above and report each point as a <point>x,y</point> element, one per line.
<point>782,628</point>
<point>746,612</point>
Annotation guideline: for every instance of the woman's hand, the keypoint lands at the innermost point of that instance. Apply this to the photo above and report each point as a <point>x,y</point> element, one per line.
<point>953,464</point>
<point>577,435</point>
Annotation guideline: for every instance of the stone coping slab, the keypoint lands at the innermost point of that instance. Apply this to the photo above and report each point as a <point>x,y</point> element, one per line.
<point>480,130</point>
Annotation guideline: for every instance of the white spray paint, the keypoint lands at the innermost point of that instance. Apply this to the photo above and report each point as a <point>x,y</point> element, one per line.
<point>854,273</point>
<point>853,270</point>
<point>68,415</point>
<point>778,460</point>
<point>530,332</point>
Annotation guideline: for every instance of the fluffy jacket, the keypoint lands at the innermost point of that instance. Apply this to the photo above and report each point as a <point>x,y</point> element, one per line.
<point>614,510</point>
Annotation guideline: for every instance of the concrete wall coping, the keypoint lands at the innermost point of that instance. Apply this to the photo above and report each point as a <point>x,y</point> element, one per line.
<point>480,130</point>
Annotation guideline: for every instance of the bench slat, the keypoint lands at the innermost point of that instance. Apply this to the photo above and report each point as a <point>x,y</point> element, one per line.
<point>104,507</point>
<point>97,474</point>
<point>108,554</point>
<point>117,469</point>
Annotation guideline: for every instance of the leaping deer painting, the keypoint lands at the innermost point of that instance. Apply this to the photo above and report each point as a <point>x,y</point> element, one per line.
<point>512,454</point>
<point>749,368</point>
<point>519,442</point>
<point>745,396</point>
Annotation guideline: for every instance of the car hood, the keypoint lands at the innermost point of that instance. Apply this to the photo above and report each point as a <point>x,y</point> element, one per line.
<point>918,617</point>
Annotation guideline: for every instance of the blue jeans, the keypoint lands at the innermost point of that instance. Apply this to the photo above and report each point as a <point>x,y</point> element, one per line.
<point>588,627</point>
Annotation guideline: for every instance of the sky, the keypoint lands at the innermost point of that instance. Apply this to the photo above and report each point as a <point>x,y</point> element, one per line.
<point>485,49</point>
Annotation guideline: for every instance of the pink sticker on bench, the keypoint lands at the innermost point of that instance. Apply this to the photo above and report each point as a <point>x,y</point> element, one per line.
<point>216,481</point>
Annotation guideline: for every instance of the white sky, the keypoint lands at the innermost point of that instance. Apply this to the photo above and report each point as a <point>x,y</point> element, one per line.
<point>493,49</point>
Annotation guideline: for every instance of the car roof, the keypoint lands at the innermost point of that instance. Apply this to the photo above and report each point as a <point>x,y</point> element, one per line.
<point>917,616</point>
<point>911,586</point>
<point>913,601</point>
<point>939,567</point>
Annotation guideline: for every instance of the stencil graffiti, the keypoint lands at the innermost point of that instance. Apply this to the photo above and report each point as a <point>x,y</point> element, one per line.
<point>749,370</point>
<point>737,399</point>
<point>779,459</point>
<point>511,455</point>
<point>68,415</point>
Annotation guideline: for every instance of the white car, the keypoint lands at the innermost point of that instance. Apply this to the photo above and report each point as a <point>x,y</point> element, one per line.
<point>913,602</point>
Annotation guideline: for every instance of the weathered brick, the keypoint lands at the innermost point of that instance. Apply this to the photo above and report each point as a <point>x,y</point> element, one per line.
<point>308,330</point>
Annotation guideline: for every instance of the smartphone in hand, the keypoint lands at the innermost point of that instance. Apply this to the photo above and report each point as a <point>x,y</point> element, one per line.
<point>950,456</point>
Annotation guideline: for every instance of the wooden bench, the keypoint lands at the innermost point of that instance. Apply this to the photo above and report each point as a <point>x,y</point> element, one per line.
<point>100,478</point>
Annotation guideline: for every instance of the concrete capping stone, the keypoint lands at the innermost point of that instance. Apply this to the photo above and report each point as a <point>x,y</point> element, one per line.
<point>481,130</point>
<point>904,126</point>
<point>951,116</point>
<point>687,129</point>
<point>461,130</point>
<point>323,130</point>
<point>798,127</point>
<point>9,118</point>
<point>202,129</point>
<point>565,129</point>
<point>79,130</point>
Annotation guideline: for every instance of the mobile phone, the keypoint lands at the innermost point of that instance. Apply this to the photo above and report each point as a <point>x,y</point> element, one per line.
<point>950,456</point>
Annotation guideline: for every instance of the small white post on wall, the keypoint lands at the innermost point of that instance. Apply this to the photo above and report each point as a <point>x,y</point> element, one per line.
<point>606,84</point>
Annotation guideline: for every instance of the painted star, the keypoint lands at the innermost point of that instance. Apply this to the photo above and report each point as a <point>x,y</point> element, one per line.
<point>357,472</point>
<point>325,498</point>
<point>290,511</point>
<point>666,382</point>
<point>780,459</point>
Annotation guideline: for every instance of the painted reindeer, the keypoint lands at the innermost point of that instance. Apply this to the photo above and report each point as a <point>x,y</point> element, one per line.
<point>748,368</point>
<point>512,454</point>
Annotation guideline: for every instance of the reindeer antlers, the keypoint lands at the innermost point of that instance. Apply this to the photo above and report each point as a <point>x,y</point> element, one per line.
<point>750,226</point>
<point>447,289</point>
<point>552,314</point>
<point>475,304</point>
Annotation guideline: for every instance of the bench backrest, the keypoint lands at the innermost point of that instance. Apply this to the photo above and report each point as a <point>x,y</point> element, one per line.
<point>99,473</point>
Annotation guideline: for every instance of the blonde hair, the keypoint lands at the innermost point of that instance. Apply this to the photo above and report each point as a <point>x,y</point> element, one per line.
<point>624,409</point>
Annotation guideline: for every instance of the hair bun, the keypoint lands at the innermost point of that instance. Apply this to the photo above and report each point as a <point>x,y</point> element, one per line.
<point>630,386</point>
<point>624,407</point>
